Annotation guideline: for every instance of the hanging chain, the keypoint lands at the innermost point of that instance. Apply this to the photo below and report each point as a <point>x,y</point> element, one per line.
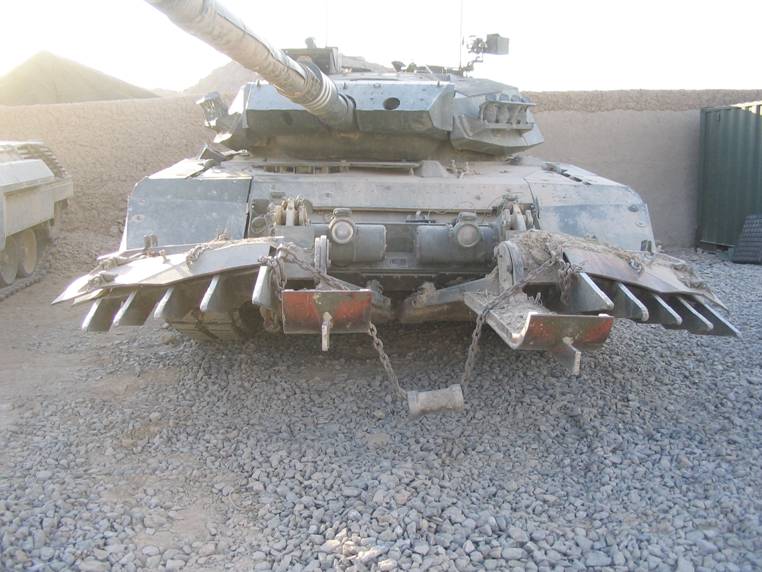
<point>385,361</point>
<point>566,274</point>
<point>287,253</point>
<point>476,335</point>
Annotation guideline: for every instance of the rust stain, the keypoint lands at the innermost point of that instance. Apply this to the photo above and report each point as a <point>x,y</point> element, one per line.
<point>303,310</point>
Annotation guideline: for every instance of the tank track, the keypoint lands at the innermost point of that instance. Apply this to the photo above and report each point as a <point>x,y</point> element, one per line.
<point>220,328</point>
<point>21,283</point>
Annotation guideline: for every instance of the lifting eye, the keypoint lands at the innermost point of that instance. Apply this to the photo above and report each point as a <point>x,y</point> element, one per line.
<point>391,103</point>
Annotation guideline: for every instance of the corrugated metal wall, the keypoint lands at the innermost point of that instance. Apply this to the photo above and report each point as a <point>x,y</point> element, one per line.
<point>730,178</point>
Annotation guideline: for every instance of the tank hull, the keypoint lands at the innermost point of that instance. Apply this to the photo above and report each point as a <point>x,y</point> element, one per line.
<point>221,249</point>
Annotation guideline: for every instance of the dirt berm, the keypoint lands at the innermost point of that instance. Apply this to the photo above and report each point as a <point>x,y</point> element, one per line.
<point>107,147</point>
<point>47,78</point>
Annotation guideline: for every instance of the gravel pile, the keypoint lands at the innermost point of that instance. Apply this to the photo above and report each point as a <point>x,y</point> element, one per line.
<point>275,456</point>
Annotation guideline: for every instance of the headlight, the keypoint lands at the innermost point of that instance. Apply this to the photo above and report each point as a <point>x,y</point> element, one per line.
<point>342,231</point>
<point>467,234</point>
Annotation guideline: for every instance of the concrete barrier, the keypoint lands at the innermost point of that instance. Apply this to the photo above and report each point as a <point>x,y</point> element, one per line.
<point>654,152</point>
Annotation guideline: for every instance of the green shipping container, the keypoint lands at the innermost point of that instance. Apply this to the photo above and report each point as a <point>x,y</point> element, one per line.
<point>730,177</point>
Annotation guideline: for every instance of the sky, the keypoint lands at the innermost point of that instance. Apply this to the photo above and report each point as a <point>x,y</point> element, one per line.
<point>555,44</point>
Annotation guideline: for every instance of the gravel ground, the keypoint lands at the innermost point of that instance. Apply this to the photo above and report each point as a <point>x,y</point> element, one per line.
<point>139,450</point>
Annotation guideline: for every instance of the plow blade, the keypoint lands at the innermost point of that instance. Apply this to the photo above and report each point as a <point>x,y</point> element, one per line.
<point>535,328</point>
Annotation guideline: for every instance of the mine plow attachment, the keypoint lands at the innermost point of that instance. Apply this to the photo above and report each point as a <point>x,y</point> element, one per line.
<point>645,287</point>
<point>101,315</point>
<point>202,291</point>
<point>685,310</point>
<point>529,326</point>
<point>570,290</point>
<point>222,291</point>
<point>169,265</point>
<point>207,308</point>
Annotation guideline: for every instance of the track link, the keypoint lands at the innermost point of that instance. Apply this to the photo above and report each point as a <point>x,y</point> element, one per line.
<point>217,328</point>
<point>22,283</point>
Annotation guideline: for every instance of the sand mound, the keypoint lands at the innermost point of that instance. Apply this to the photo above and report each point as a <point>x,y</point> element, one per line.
<point>226,79</point>
<point>47,78</point>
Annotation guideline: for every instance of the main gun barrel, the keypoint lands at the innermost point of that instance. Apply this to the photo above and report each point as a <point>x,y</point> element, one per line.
<point>306,85</point>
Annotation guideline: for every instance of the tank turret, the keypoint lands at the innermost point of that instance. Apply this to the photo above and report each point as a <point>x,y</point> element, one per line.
<point>425,113</point>
<point>304,84</point>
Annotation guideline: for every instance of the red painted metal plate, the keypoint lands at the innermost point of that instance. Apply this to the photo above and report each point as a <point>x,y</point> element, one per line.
<point>304,310</point>
<point>546,331</point>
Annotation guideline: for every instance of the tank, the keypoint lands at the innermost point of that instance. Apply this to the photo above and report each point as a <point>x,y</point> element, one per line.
<point>334,198</point>
<point>34,190</point>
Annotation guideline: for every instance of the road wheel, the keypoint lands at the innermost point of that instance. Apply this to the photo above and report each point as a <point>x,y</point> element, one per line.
<point>9,262</point>
<point>28,253</point>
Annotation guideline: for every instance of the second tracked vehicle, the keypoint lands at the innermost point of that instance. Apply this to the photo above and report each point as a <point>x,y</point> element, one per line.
<point>34,191</point>
<point>335,198</point>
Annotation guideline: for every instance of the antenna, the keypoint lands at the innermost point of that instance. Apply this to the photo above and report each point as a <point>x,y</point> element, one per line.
<point>325,23</point>
<point>460,38</point>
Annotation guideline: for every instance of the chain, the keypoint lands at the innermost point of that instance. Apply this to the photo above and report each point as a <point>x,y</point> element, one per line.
<point>476,335</point>
<point>195,253</point>
<point>566,273</point>
<point>385,361</point>
<point>287,253</point>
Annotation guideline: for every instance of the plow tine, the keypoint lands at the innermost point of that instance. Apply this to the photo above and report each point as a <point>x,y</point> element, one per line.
<point>137,308</point>
<point>586,296</point>
<point>721,326</point>
<point>693,321</point>
<point>567,355</point>
<point>174,304</point>
<point>627,305</point>
<point>217,297</point>
<point>262,294</point>
<point>659,312</point>
<point>226,293</point>
<point>101,314</point>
